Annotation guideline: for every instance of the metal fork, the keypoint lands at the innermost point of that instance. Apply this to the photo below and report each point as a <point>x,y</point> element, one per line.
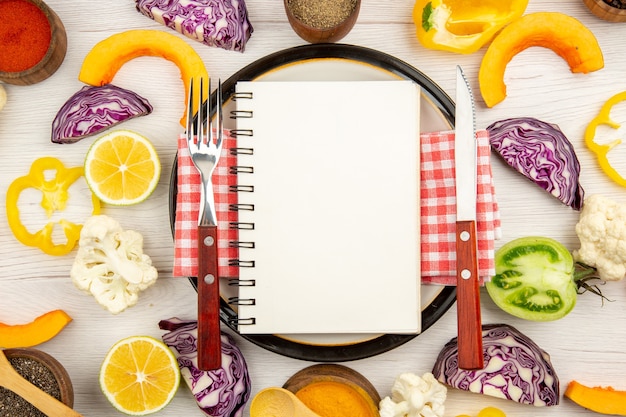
<point>205,148</point>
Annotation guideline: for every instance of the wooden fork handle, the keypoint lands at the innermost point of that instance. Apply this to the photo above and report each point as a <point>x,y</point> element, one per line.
<point>209,334</point>
<point>470,342</point>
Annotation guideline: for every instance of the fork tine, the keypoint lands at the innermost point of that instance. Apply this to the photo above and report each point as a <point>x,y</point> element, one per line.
<point>219,115</point>
<point>207,118</point>
<point>190,111</point>
<point>200,120</point>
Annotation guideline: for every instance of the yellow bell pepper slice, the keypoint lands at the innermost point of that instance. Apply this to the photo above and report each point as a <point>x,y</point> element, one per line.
<point>463,26</point>
<point>54,198</point>
<point>602,149</point>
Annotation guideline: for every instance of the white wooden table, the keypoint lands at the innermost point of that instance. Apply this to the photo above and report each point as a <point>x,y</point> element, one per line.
<point>587,345</point>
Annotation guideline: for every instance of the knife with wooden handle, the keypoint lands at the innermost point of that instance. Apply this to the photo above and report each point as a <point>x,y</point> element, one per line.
<point>470,344</point>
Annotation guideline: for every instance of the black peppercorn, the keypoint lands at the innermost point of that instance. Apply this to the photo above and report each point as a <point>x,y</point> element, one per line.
<point>321,14</point>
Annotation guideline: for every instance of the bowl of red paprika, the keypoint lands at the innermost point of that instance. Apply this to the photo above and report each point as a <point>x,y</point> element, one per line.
<point>32,40</point>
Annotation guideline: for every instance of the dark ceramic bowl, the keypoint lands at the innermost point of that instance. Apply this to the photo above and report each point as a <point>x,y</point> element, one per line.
<point>52,59</point>
<point>314,34</point>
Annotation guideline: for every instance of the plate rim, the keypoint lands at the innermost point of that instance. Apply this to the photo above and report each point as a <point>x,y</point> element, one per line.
<point>446,297</point>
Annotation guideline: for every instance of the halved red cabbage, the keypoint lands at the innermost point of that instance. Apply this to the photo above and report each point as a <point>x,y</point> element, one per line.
<point>515,368</point>
<point>220,23</point>
<point>219,393</point>
<point>94,109</point>
<point>542,153</point>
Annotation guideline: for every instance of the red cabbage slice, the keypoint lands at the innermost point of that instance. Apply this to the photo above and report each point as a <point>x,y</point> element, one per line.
<point>542,153</point>
<point>219,393</point>
<point>515,368</point>
<point>94,109</point>
<point>220,23</point>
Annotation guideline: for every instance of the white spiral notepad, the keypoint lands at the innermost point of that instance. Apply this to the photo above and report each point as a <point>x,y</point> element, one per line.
<point>328,181</point>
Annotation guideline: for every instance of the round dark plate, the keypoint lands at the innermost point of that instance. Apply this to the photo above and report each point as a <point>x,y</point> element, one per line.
<point>339,62</point>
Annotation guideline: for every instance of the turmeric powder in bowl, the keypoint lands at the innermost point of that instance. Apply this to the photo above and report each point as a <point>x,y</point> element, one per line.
<point>337,399</point>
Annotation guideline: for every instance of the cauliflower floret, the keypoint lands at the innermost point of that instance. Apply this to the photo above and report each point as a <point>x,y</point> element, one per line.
<point>412,396</point>
<point>110,264</point>
<point>601,230</point>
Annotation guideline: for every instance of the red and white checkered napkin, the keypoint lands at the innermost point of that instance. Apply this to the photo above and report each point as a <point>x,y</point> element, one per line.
<point>188,206</point>
<point>438,215</point>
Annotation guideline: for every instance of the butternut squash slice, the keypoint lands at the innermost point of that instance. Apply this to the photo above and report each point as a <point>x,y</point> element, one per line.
<point>109,55</point>
<point>599,399</point>
<point>40,330</point>
<point>563,34</point>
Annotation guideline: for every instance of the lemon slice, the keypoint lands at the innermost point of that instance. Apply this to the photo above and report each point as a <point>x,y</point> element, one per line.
<point>139,375</point>
<point>122,168</point>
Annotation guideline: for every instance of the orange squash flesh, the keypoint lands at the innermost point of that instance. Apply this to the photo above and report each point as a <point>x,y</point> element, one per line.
<point>603,400</point>
<point>563,34</point>
<point>40,330</point>
<point>109,55</point>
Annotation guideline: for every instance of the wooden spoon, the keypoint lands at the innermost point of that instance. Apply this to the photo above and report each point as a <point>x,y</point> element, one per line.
<point>279,402</point>
<point>10,379</point>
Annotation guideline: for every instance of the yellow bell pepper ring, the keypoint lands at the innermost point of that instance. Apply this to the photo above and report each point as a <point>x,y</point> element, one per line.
<point>463,26</point>
<point>602,149</point>
<point>54,198</point>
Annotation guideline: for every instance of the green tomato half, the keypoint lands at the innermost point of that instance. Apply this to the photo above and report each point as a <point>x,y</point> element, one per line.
<point>534,279</point>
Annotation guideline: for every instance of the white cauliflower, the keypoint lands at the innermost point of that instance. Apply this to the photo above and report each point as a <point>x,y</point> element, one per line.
<point>601,230</point>
<point>110,264</point>
<point>412,396</point>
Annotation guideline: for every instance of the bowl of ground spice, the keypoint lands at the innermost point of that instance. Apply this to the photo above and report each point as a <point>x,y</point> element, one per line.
<point>609,10</point>
<point>333,390</point>
<point>318,21</point>
<point>41,370</point>
<point>32,40</point>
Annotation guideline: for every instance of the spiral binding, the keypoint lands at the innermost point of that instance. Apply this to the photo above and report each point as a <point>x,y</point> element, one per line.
<point>238,207</point>
<point>241,206</point>
<point>240,169</point>
<point>241,282</point>
<point>242,322</point>
<point>241,301</point>
<point>241,244</point>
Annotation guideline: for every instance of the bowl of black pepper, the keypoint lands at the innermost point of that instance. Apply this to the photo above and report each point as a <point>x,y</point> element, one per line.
<point>609,10</point>
<point>318,21</point>
<point>41,370</point>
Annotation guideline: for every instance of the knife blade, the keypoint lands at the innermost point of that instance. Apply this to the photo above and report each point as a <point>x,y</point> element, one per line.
<point>469,321</point>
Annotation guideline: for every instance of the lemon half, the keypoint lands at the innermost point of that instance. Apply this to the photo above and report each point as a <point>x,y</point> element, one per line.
<point>122,168</point>
<point>139,375</point>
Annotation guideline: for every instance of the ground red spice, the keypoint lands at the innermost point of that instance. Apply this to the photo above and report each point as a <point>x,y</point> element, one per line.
<point>24,35</point>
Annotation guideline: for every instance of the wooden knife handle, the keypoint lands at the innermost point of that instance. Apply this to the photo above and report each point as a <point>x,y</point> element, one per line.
<point>209,334</point>
<point>470,342</point>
